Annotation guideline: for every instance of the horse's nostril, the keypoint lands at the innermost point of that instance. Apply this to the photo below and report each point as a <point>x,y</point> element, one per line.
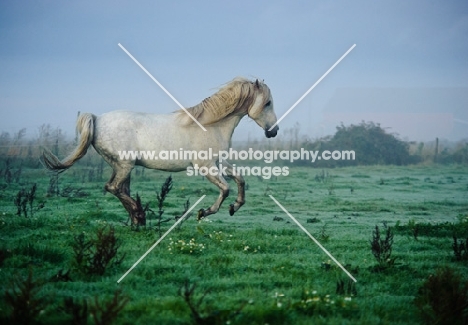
<point>271,134</point>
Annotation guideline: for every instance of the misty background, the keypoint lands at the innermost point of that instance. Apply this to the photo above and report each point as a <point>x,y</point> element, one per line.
<point>408,71</point>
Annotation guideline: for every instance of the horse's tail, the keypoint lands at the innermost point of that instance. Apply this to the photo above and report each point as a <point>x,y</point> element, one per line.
<point>85,127</point>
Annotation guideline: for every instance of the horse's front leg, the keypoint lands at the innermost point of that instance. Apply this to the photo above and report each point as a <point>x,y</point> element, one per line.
<point>223,186</point>
<point>240,200</point>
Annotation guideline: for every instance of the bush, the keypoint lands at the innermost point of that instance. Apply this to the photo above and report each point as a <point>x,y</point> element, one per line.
<point>24,300</point>
<point>443,298</point>
<point>94,256</point>
<point>371,143</point>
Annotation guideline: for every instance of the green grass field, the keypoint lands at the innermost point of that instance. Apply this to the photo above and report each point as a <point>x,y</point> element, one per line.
<point>248,268</point>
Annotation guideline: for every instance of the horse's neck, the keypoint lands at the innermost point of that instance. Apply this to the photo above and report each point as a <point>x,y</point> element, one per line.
<point>227,126</point>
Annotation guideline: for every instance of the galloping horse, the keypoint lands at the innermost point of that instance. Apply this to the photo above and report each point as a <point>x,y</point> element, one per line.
<point>121,131</point>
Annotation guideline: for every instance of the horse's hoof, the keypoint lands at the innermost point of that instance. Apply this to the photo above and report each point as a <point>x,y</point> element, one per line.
<point>201,214</point>
<point>231,209</point>
<point>140,218</point>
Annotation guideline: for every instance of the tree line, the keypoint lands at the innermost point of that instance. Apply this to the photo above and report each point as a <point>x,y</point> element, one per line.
<point>372,144</point>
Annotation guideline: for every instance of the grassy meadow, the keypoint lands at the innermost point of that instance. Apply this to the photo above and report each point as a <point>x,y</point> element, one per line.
<point>256,267</point>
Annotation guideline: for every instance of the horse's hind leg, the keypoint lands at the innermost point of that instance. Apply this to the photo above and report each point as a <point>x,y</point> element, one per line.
<point>240,200</point>
<point>223,186</point>
<point>119,185</point>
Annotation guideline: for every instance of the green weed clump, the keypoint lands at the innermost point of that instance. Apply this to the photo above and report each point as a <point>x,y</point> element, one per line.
<point>206,314</point>
<point>460,229</point>
<point>382,247</point>
<point>177,217</point>
<point>24,198</point>
<point>24,300</point>
<point>346,287</point>
<point>414,228</point>
<point>78,311</point>
<point>105,313</point>
<point>161,197</point>
<point>324,236</point>
<point>460,249</point>
<point>102,312</point>
<point>443,298</point>
<point>96,255</point>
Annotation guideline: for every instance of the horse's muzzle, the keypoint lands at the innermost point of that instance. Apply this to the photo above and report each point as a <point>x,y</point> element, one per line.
<point>272,133</point>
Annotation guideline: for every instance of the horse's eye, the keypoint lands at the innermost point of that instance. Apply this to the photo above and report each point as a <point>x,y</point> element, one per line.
<point>268,104</point>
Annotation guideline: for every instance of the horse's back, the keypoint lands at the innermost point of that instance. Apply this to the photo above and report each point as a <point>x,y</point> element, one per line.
<point>132,120</point>
<point>128,130</point>
<point>125,130</point>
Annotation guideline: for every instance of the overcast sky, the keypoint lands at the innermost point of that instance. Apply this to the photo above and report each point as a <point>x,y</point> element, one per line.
<point>408,71</point>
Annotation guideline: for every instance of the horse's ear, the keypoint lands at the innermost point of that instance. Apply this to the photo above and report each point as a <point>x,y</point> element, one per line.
<point>257,84</point>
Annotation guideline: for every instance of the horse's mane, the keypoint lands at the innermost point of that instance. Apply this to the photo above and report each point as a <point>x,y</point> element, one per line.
<point>235,96</point>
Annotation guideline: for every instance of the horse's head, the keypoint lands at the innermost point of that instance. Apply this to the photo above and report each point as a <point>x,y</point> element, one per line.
<point>262,111</point>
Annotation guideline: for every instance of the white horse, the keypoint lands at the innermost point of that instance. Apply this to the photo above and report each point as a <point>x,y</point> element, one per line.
<point>120,131</point>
